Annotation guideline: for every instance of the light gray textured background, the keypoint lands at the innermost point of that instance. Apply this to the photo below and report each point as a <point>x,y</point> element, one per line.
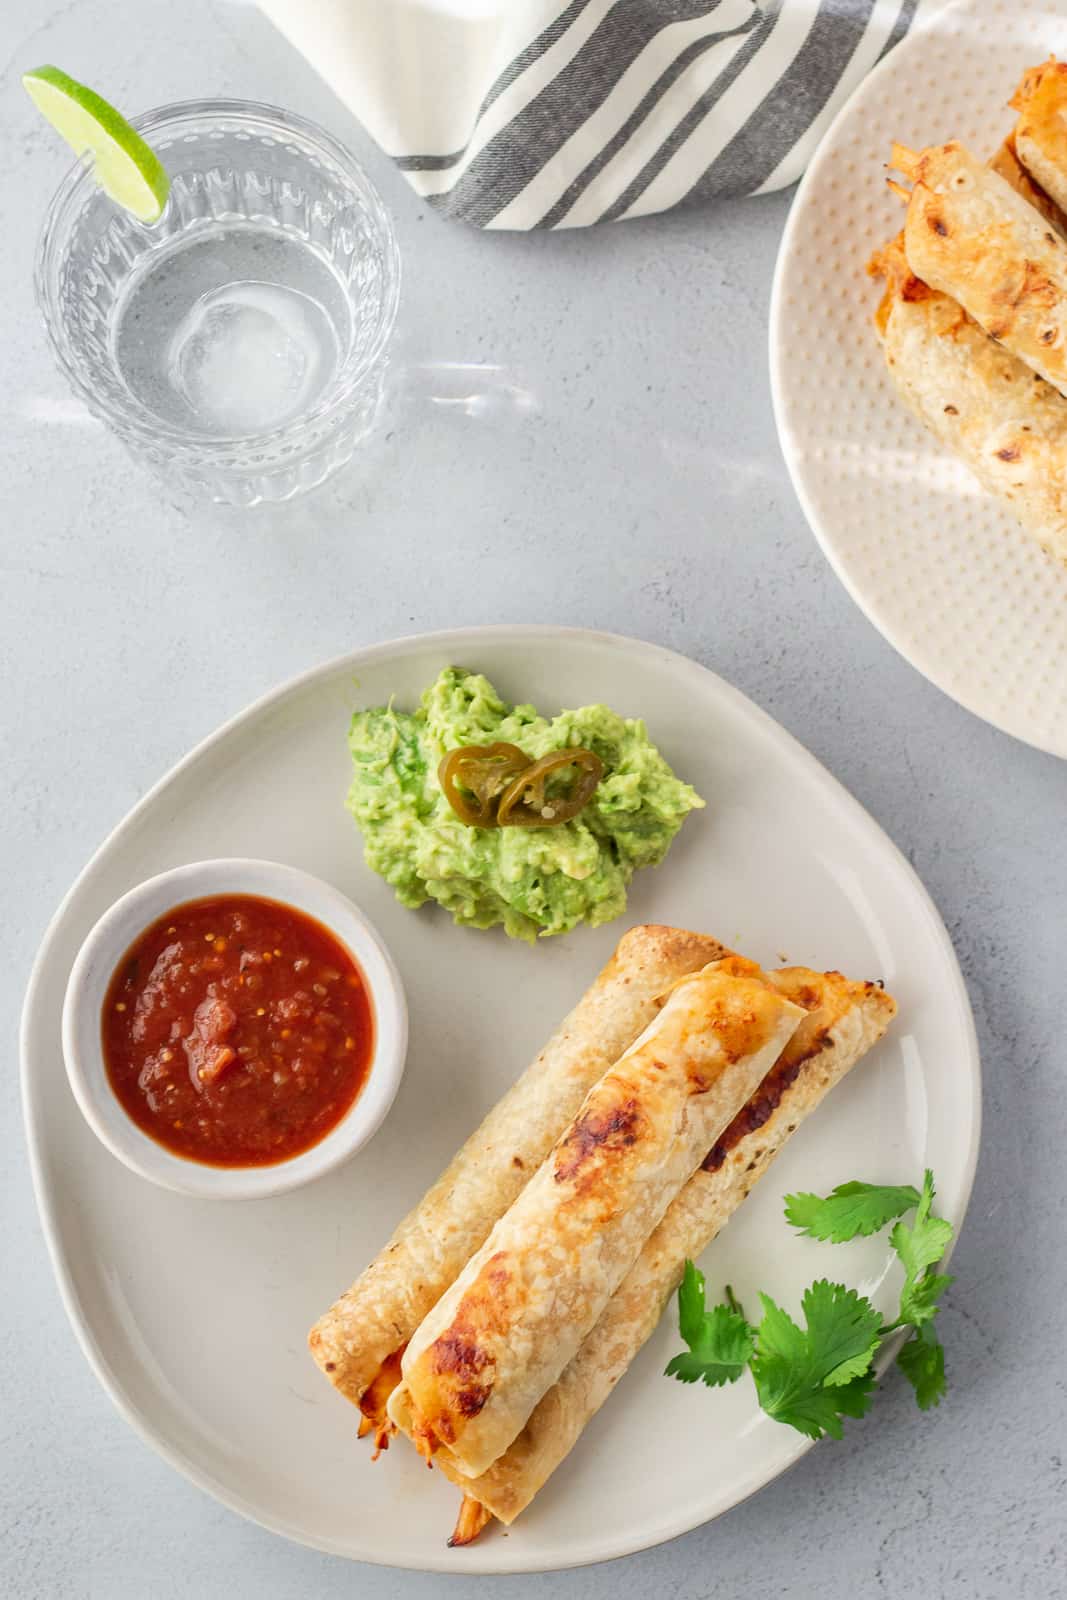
<point>582,433</point>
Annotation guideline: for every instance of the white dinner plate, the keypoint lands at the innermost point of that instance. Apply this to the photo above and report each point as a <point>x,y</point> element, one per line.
<point>936,563</point>
<point>194,1314</point>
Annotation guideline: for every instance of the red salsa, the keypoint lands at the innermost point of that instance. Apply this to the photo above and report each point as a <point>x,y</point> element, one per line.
<point>237,1031</point>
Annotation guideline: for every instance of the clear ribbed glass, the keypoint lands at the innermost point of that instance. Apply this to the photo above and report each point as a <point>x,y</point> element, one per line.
<point>237,345</point>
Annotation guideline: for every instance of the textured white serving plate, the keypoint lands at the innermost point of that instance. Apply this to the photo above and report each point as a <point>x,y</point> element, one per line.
<point>940,567</point>
<point>194,1314</point>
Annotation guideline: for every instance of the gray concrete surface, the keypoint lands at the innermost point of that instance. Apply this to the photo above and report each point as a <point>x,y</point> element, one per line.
<point>616,466</point>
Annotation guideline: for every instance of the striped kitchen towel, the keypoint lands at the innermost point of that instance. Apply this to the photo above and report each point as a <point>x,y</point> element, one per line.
<point>560,113</point>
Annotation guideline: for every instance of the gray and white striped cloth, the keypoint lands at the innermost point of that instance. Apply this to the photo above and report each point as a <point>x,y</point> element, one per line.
<point>561,113</point>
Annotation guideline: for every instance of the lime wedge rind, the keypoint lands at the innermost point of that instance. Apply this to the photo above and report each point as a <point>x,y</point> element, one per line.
<point>127,169</point>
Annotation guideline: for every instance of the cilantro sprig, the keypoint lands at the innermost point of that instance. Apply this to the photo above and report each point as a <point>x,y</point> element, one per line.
<point>721,1343</point>
<point>814,1376</point>
<point>849,1210</point>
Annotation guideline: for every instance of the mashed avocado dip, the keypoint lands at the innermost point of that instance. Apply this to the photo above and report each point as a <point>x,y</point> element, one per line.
<point>533,880</point>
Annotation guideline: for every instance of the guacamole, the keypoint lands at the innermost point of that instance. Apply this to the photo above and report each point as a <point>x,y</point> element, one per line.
<point>533,880</point>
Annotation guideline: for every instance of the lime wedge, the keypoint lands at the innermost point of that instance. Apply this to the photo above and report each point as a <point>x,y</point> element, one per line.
<point>123,165</point>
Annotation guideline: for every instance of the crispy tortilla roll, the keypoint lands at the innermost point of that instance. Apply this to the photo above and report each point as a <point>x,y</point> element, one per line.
<point>517,1314</point>
<point>971,236</point>
<point>1006,162</point>
<point>843,1021</point>
<point>382,1309</point>
<point>1041,131</point>
<point>1007,424</point>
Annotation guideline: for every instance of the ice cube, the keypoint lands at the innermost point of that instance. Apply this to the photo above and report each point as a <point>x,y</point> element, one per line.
<point>250,355</point>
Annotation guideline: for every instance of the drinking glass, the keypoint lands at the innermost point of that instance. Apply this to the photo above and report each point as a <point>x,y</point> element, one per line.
<point>237,345</point>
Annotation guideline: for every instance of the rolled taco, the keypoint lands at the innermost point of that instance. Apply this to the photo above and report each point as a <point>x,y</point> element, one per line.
<point>357,1341</point>
<point>498,1339</point>
<point>843,1020</point>
<point>1006,162</point>
<point>971,236</point>
<point>1007,424</point>
<point>1041,131</point>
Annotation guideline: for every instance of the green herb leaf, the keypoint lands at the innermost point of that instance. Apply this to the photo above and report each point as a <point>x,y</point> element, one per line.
<point>849,1211</point>
<point>920,1248</point>
<point>811,1377</point>
<point>855,1367</point>
<point>720,1340</point>
<point>918,1301</point>
<point>691,1303</point>
<point>922,1361</point>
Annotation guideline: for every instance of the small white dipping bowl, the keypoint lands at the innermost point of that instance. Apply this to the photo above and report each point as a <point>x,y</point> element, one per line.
<point>95,967</point>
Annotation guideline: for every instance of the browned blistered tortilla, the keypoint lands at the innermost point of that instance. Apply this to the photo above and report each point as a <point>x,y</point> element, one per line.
<point>843,1021</point>
<point>1007,424</point>
<point>1041,131</point>
<point>373,1319</point>
<point>970,235</point>
<point>519,1311</point>
<point>1006,162</point>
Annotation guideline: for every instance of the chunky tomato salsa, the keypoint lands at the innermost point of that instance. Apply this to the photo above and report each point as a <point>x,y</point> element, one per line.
<point>237,1031</point>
